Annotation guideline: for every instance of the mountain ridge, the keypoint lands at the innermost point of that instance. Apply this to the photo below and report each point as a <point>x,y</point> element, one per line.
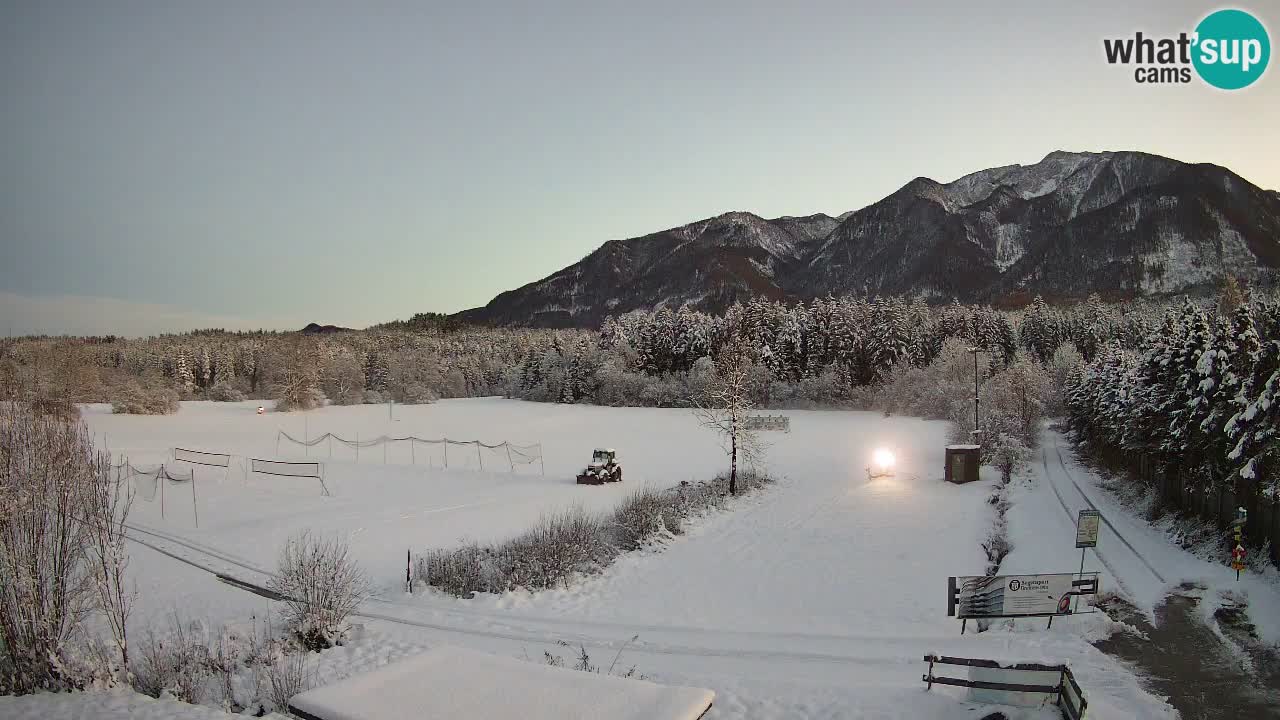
<point>1120,223</point>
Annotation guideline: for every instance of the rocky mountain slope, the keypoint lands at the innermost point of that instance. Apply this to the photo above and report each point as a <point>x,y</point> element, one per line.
<point>1118,223</point>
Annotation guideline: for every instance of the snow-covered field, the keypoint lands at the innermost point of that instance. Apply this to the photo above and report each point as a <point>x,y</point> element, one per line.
<point>817,598</point>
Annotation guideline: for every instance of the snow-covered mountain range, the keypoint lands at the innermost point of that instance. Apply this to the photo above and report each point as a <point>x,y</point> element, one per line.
<point>1121,224</point>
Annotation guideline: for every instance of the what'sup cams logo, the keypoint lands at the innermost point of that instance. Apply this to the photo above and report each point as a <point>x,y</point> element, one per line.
<point>1229,50</point>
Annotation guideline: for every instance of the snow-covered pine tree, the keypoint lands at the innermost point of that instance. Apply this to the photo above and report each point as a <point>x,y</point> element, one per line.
<point>1255,427</point>
<point>1186,407</point>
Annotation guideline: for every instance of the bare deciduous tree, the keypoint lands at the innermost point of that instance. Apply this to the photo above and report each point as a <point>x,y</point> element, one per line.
<point>726,404</point>
<point>298,383</point>
<point>49,473</point>
<point>110,502</point>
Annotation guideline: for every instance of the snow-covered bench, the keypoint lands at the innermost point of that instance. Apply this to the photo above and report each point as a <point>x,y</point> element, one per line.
<point>450,682</point>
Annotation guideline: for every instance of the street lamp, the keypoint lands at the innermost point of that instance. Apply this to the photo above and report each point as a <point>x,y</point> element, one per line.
<point>976,432</point>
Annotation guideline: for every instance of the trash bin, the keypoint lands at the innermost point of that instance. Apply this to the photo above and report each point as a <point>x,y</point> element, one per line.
<point>962,463</point>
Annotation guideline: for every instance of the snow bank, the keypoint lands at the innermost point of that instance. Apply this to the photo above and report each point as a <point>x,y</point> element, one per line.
<point>114,705</point>
<point>450,682</point>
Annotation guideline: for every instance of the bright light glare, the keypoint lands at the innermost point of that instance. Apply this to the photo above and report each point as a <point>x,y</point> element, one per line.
<point>883,459</point>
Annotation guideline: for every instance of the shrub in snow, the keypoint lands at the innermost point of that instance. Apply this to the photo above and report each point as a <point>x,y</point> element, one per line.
<point>645,513</point>
<point>54,541</point>
<point>997,546</point>
<point>415,394</point>
<point>286,676</point>
<point>178,664</point>
<point>242,670</point>
<point>1006,453</point>
<point>153,399</point>
<point>225,392</point>
<point>305,398</point>
<point>583,661</point>
<point>323,586</point>
<point>564,545</point>
<point>48,401</point>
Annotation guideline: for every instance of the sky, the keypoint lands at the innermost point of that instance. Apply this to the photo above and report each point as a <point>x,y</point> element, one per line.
<point>241,164</point>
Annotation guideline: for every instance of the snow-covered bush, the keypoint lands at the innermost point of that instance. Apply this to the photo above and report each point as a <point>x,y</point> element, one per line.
<point>561,546</point>
<point>1020,393</point>
<point>303,398</point>
<point>49,401</point>
<point>286,676</point>
<point>153,398</point>
<point>178,663</point>
<point>241,668</point>
<point>1005,452</point>
<point>225,392</point>
<point>929,391</point>
<point>645,513</point>
<point>415,394</point>
<point>50,479</point>
<point>322,585</point>
<point>545,556</point>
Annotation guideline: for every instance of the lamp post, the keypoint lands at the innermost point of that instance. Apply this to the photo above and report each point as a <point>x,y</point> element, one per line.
<point>975,350</point>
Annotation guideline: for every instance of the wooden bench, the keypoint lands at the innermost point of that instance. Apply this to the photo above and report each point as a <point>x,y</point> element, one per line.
<point>1063,690</point>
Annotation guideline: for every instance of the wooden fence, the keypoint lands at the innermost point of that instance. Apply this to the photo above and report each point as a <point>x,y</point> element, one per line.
<point>1217,504</point>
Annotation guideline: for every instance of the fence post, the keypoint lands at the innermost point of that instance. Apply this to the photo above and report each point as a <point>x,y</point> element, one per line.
<point>1275,532</point>
<point>446,453</point>
<point>195,509</point>
<point>479,457</point>
<point>357,447</point>
<point>507,445</point>
<point>413,455</point>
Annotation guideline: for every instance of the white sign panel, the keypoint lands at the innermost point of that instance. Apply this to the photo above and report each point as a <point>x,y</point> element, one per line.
<point>1013,595</point>
<point>1087,528</point>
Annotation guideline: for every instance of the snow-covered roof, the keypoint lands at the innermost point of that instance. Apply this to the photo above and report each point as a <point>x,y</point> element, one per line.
<point>964,447</point>
<point>608,450</point>
<point>450,682</point>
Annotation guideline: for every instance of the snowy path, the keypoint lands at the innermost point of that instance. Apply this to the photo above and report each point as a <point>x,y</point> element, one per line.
<point>1135,558</point>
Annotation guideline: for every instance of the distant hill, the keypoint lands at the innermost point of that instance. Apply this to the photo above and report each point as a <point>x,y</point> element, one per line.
<point>1122,224</point>
<point>316,329</point>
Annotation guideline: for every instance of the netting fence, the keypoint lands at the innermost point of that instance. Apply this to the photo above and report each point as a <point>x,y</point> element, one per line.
<point>150,481</point>
<point>411,450</point>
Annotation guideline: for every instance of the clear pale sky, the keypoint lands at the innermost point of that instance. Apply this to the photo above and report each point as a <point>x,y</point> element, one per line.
<point>173,164</point>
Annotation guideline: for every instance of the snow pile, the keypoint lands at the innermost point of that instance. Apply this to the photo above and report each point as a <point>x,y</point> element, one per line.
<point>450,682</point>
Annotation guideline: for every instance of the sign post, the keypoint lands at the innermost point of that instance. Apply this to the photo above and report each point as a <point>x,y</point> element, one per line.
<point>1237,531</point>
<point>1086,537</point>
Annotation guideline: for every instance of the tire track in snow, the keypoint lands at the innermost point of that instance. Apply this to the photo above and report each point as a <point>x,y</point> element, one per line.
<point>197,547</point>
<point>1058,449</point>
<point>550,635</point>
<point>1044,459</point>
